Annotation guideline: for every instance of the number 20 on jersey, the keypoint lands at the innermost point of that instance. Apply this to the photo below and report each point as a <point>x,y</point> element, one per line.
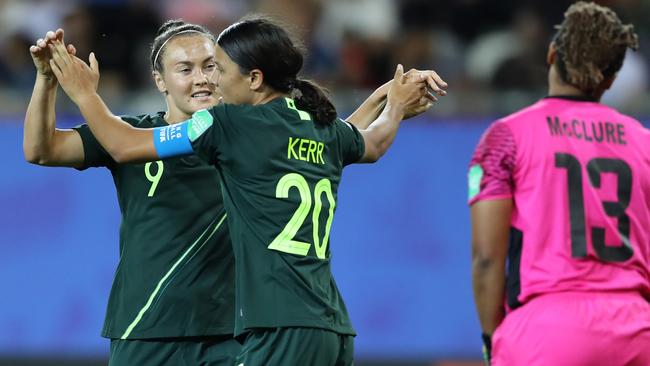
<point>285,242</point>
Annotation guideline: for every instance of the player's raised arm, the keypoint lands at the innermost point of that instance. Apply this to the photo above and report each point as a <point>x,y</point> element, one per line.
<point>43,143</point>
<point>122,141</point>
<point>431,83</point>
<point>380,134</point>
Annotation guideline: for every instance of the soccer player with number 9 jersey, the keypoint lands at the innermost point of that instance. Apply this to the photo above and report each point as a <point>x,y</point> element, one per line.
<point>560,199</point>
<point>172,299</point>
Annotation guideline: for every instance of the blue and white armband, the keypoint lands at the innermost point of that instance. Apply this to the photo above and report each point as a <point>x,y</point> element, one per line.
<point>172,140</point>
<point>176,140</point>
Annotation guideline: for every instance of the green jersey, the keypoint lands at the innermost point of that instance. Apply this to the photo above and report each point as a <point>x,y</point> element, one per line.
<point>175,276</point>
<point>280,173</point>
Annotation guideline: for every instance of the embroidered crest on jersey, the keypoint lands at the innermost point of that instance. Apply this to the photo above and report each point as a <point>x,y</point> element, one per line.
<point>201,120</point>
<point>474,180</point>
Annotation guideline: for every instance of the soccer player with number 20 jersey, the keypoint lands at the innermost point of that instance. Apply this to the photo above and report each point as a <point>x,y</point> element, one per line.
<point>280,150</point>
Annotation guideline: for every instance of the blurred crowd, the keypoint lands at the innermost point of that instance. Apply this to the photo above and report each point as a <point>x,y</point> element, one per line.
<point>491,52</point>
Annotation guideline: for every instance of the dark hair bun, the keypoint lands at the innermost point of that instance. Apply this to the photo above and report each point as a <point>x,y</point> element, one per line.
<point>170,24</point>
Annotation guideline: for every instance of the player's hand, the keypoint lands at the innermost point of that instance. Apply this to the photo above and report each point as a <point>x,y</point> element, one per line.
<point>432,85</point>
<point>430,79</point>
<point>75,76</point>
<point>487,349</point>
<point>41,54</point>
<point>403,95</point>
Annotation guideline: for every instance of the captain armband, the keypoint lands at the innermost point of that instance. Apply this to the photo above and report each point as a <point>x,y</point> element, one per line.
<point>172,140</point>
<point>176,140</point>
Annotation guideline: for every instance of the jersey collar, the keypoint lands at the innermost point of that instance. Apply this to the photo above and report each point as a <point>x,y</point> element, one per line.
<point>575,98</point>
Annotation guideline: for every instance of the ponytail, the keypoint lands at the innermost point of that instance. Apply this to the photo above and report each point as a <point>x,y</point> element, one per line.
<point>312,98</point>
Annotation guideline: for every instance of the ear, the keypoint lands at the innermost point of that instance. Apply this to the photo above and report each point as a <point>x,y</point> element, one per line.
<point>160,82</point>
<point>256,77</point>
<point>551,55</point>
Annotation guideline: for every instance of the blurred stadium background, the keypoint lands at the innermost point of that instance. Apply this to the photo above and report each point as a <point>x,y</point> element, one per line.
<point>401,237</point>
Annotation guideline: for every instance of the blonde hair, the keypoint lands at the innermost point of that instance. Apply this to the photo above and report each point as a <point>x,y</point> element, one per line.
<point>591,43</point>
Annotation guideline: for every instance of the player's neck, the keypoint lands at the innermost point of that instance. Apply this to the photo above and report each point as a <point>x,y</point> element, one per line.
<point>174,115</point>
<point>266,95</point>
<point>557,87</point>
<point>563,89</point>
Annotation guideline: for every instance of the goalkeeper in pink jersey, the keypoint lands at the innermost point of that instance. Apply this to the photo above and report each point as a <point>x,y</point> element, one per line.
<point>560,209</point>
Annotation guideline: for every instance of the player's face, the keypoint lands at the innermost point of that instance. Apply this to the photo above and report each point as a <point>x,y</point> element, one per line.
<point>230,83</point>
<point>188,65</point>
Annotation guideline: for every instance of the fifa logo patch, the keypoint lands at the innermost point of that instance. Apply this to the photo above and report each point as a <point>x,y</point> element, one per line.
<point>474,178</point>
<point>201,120</point>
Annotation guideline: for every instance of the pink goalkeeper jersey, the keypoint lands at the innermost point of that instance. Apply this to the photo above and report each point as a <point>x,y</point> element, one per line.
<point>578,173</point>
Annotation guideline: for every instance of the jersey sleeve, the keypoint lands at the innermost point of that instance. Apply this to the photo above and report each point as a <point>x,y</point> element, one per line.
<point>206,131</point>
<point>351,144</point>
<point>94,153</point>
<point>492,166</point>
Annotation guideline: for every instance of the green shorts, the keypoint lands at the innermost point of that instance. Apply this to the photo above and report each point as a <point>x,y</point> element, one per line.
<point>186,351</point>
<point>296,347</point>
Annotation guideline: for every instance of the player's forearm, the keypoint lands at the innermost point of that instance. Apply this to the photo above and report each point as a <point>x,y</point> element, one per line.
<point>40,120</point>
<point>380,134</point>
<point>488,281</point>
<point>370,109</point>
<point>490,233</point>
<point>123,142</point>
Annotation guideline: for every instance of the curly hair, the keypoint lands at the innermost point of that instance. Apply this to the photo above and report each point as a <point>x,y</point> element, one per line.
<point>591,43</point>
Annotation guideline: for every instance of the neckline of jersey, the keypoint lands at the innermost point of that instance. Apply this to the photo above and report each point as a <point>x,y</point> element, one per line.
<point>575,98</point>
<point>162,121</point>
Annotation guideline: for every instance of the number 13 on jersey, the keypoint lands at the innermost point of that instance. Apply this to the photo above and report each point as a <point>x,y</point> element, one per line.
<point>615,209</point>
<point>285,242</point>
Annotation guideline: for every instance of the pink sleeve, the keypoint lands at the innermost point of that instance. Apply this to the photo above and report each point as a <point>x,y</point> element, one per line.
<point>492,165</point>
